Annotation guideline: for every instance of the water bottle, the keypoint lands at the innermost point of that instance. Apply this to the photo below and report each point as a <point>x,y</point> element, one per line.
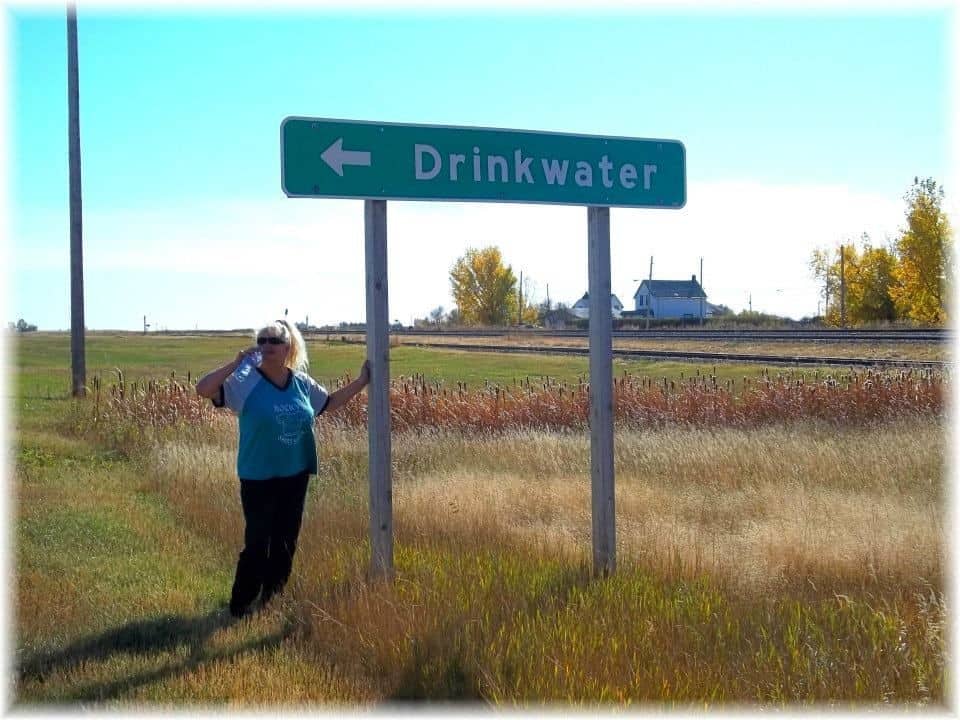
<point>249,362</point>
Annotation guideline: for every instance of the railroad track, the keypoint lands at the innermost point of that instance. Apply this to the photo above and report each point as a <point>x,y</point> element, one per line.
<point>694,355</point>
<point>919,335</point>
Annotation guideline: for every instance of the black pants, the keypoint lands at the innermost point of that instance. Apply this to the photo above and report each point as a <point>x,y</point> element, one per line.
<point>273,510</point>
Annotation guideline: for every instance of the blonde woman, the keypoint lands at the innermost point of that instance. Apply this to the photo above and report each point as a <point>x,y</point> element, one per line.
<point>276,402</point>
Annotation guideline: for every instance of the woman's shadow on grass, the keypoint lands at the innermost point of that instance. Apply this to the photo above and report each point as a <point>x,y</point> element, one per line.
<point>142,637</point>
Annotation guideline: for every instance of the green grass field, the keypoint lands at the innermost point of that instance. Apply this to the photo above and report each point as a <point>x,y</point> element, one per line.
<point>792,564</point>
<point>42,362</point>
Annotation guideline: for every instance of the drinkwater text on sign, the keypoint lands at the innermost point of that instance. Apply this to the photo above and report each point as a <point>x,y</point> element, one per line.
<point>352,159</point>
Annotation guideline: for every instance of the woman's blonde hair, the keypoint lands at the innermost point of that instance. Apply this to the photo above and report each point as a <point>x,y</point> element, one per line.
<point>297,357</point>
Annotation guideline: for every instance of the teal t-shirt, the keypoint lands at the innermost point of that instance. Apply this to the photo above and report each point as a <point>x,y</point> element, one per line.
<point>276,423</point>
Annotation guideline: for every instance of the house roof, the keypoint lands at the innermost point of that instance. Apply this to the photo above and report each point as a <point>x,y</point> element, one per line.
<point>673,288</point>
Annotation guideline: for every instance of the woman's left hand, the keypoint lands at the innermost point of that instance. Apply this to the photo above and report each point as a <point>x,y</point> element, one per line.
<point>364,376</point>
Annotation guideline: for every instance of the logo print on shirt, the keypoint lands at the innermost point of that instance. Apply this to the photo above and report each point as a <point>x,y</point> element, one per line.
<point>290,422</point>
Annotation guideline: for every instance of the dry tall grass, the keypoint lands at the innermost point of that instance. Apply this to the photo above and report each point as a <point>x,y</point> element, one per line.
<point>766,510</point>
<point>814,534</point>
<point>791,560</point>
<point>642,402</point>
<point>846,397</point>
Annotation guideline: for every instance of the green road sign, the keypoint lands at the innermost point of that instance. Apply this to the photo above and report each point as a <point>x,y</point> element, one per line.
<point>387,161</point>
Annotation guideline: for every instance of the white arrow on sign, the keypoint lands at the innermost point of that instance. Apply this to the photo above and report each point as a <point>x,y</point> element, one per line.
<point>336,157</point>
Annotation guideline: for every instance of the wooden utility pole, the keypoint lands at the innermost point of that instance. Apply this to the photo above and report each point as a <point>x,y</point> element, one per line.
<point>520,301</point>
<point>701,288</point>
<point>649,294</point>
<point>77,328</point>
<point>843,291</point>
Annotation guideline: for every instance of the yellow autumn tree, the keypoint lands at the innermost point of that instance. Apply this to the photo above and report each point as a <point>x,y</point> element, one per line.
<point>857,290</point>
<point>484,289</point>
<point>922,275</point>
<point>874,286</point>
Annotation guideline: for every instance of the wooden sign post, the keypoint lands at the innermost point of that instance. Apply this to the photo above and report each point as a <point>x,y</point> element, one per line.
<point>376,162</point>
<point>601,392</point>
<point>378,391</point>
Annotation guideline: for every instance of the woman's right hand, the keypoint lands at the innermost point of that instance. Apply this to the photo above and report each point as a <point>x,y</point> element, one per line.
<point>244,354</point>
<point>209,385</point>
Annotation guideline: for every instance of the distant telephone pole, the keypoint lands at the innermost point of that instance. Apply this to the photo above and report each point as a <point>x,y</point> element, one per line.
<point>701,288</point>
<point>77,326</point>
<point>520,301</point>
<point>843,291</point>
<point>649,294</point>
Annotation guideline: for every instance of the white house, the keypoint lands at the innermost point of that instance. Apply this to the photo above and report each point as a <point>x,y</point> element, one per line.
<point>671,299</point>
<point>581,308</point>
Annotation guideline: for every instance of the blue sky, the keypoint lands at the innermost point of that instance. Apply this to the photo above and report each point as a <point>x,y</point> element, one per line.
<point>802,129</point>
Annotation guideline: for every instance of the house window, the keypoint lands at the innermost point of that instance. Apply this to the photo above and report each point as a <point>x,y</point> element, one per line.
<point>643,300</point>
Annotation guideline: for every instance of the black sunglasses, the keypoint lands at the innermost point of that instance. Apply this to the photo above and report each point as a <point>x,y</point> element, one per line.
<point>271,341</point>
